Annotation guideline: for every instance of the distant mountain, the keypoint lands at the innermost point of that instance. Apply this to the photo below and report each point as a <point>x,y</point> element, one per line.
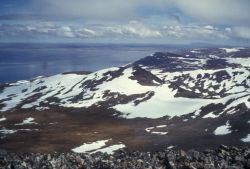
<point>191,98</point>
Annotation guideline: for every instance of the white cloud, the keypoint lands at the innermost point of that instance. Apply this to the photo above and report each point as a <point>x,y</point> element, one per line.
<point>194,32</point>
<point>65,31</point>
<point>45,30</point>
<point>216,11</point>
<point>133,29</point>
<point>241,32</point>
<point>84,33</point>
<point>209,27</point>
<point>228,30</point>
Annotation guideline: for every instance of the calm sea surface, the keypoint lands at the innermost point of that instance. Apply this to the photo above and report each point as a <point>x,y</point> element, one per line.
<point>25,61</point>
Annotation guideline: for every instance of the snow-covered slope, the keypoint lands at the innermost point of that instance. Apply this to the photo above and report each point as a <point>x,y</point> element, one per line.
<point>205,85</point>
<point>152,87</point>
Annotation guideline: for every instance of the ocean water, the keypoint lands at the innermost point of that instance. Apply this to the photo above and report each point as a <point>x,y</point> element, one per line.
<point>26,61</point>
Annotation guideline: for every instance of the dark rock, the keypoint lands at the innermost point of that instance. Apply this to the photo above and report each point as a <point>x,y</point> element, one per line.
<point>223,157</point>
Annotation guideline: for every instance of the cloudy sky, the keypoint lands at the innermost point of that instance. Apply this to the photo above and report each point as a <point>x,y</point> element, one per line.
<point>126,21</point>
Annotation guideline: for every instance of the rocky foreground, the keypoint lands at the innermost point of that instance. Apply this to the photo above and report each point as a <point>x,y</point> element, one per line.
<point>222,157</point>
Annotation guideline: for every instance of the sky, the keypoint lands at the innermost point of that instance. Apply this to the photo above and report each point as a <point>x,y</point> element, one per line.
<point>224,22</point>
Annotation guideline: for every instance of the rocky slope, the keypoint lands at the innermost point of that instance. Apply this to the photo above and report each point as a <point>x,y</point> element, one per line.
<point>219,158</point>
<point>166,99</point>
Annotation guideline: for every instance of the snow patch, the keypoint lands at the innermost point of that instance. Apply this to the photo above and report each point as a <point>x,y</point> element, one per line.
<point>29,120</point>
<point>88,147</point>
<point>161,126</point>
<point>42,108</point>
<point>159,133</point>
<point>194,51</point>
<point>246,139</point>
<point>211,115</point>
<point>2,119</point>
<point>7,131</point>
<point>163,103</point>
<point>110,149</point>
<point>223,130</point>
<point>149,129</point>
<point>19,82</point>
<point>98,146</point>
<point>155,82</point>
<point>171,147</point>
<point>232,111</point>
<point>230,50</point>
<point>242,61</point>
<point>28,130</point>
